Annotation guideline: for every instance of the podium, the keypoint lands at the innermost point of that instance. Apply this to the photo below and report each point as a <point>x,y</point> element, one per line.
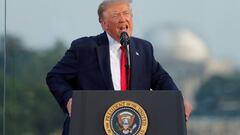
<point>134,112</point>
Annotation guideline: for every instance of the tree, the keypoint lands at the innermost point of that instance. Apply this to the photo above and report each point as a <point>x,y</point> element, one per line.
<point>219,96</point>
<point>31,109</point>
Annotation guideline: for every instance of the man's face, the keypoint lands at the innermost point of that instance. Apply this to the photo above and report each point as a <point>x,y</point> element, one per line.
<point>116,19</point>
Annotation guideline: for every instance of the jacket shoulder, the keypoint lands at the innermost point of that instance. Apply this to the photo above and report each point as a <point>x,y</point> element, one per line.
<point>142,42</point>
<point>84,42</point>
<point>91,41</point>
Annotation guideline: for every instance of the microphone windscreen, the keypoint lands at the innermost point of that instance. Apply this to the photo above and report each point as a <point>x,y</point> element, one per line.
<point>124,39</point>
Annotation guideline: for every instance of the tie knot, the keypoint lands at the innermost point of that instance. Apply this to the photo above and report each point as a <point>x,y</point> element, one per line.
<point>121,47</point>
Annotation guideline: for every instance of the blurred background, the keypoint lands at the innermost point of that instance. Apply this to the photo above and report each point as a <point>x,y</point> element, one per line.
<point>197,42</point>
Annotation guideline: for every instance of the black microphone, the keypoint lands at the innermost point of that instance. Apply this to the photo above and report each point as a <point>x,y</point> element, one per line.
<point>124,39</point>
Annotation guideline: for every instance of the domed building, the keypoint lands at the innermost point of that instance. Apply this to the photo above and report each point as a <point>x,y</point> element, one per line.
<point>185,56</point>
<point>190,48</point>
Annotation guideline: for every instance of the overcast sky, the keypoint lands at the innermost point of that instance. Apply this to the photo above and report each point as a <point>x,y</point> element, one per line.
<point>40,23</point>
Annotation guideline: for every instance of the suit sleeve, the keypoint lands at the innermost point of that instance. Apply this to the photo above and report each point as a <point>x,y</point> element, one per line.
<point>160,80</point>
<point>63,74</point>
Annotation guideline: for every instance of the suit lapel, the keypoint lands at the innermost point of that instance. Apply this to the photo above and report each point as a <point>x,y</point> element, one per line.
<point>135,63</point>
<point>104,59</point>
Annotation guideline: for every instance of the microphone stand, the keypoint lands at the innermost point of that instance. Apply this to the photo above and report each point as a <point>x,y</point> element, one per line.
<point>127,67</point>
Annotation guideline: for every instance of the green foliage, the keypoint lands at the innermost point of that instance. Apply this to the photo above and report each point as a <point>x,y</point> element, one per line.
<point>30,107</point>
<point>219,96</point>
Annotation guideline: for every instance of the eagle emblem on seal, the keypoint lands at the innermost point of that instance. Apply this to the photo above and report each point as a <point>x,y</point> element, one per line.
<point>126,122</point>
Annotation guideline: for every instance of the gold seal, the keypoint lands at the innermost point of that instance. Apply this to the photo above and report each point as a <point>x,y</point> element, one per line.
<point>125,117</point>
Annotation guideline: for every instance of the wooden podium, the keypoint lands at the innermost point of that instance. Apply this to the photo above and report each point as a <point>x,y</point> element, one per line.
<point>96,112</point>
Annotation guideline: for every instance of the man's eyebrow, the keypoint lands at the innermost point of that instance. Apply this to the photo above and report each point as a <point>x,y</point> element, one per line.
<point>121,11</point>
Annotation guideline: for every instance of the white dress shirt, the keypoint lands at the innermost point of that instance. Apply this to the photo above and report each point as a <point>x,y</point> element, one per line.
<point>115,56</point>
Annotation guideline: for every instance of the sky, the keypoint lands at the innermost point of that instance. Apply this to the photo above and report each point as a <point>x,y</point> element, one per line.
<point>40,23</point>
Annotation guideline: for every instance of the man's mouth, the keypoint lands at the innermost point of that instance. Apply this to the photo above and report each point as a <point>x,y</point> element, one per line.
<point>124,28</point>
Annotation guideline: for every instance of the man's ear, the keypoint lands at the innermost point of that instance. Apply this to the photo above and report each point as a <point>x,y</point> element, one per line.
<point>103,24</point>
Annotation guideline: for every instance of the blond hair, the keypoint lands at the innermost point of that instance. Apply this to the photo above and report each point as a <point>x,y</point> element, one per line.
<point>105,3</point>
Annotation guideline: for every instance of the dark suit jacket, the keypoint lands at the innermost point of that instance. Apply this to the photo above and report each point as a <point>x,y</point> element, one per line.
<point>86,66</point>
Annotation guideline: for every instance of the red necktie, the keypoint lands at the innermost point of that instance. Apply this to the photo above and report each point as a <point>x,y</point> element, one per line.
<point>123,70</point>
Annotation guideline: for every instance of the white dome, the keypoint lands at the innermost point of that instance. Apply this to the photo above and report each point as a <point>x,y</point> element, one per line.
<point>189,47</point>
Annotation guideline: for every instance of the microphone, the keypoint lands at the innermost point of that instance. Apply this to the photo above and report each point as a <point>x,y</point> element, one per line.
<point>124,39</point>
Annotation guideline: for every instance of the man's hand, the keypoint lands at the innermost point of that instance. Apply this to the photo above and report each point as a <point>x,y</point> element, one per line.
<point>188,109</point>
<point>69,106</point>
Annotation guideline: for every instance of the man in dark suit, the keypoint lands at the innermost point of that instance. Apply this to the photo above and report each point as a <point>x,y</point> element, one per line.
<point>93,63</point>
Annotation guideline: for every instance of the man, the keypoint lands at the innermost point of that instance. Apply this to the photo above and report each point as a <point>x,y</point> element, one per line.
<point>93,63</point>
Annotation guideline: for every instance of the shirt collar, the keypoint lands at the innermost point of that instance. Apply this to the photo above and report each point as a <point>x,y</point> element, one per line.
<point>113,44</point>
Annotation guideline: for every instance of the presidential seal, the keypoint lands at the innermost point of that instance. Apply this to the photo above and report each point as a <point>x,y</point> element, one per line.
<point>125,118</point>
